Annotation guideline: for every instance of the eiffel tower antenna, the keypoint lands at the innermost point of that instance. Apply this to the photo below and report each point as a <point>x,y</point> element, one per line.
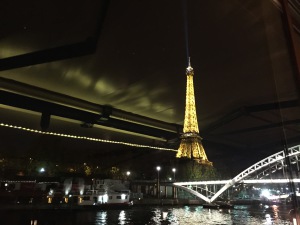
<point>191,145</point>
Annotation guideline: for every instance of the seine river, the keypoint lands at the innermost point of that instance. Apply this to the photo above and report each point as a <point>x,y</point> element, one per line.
<point>148,215</point>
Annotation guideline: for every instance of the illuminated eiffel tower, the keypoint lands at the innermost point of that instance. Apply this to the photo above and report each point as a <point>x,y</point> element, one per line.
<point>190,145</point>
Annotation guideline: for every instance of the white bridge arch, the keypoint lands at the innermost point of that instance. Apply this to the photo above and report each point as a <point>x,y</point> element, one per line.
<point>273,162</point>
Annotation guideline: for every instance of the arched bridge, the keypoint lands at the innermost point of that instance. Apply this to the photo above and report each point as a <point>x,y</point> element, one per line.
<point>259,170</point>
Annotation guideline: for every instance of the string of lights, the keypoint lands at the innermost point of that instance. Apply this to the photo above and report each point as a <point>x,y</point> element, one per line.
<point>84,138</point>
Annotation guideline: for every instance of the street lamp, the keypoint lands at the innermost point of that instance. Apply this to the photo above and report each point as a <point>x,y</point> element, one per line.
<point>174,171</point>
<point>158,185</point>
<point>128,174</point>
<point>174,188</point>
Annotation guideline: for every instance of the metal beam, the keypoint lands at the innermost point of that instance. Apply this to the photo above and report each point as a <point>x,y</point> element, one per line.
<point>246,110</point>
<point>49,55</point>
<point>89,46</point>
<point>292,38</point>
<point>100,118</point>
<point>258,128</point>
<point>11,86</point>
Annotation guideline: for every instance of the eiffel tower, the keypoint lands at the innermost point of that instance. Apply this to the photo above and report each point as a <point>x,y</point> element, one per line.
<point>190,145</point>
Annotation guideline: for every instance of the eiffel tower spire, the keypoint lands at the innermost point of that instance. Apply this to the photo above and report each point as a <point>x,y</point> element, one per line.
<point>190,145</point>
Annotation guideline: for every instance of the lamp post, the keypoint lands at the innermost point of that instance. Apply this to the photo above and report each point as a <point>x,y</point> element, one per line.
<point>128,174</point>
<point>174,171</point>
<point>158,185</point>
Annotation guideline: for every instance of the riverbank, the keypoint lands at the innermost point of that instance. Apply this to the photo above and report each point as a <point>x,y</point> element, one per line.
<point>191,202</point>
<point>136,203</point>
<point>151,201</point>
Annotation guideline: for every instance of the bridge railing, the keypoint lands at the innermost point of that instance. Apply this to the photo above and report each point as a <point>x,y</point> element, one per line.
<point>275,159</point>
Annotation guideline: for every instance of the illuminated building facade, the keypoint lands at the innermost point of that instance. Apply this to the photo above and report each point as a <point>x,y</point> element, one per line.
<point>190,145</point>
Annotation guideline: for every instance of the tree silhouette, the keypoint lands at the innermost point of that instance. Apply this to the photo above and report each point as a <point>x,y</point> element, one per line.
<point>190,170</point>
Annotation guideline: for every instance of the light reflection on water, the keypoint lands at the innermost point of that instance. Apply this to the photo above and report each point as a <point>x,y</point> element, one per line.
<point>198,215</point>
<point>240,215</point>
<point>140,215</point>
<point>122,217</point>
<point>101,218</point>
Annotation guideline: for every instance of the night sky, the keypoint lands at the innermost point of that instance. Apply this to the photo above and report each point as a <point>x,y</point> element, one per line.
<point>238,50</point>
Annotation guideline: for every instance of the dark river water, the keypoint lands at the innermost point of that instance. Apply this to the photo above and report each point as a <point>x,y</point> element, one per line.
<point>140,215</point>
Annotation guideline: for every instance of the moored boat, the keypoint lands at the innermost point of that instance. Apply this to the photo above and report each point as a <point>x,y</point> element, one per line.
<point>101,194</point>
<point>225,205</point>
<point>218,205</point>
<point>101,199</point>
<point>211,206</point>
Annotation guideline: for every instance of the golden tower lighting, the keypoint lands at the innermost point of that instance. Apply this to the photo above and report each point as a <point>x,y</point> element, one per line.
<point>190,145</point>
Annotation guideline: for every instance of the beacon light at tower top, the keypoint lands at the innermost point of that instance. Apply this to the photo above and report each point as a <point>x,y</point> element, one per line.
<point>190,145</point>
<point>189,69</point>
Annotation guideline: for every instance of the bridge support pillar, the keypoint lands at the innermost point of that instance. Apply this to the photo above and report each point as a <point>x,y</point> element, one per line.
<point>174,192</point>
<point>166,191</point>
